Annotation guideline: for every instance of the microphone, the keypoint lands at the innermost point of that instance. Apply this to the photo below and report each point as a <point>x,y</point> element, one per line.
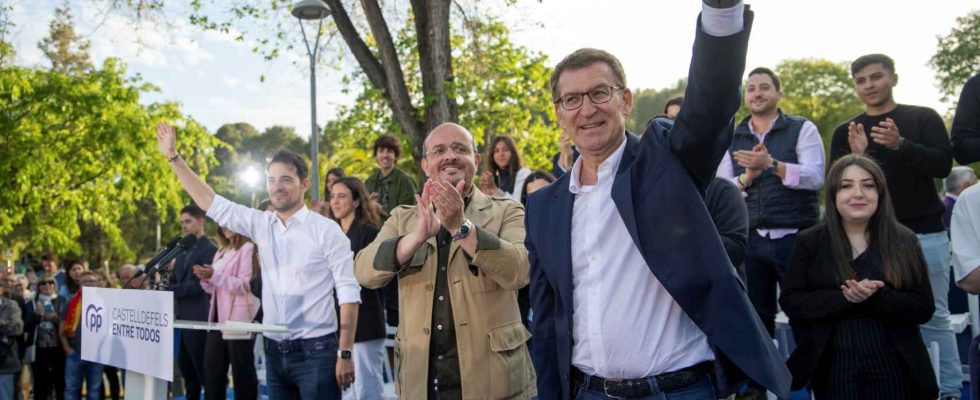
<point>156,258</point>
<point>183,245</point>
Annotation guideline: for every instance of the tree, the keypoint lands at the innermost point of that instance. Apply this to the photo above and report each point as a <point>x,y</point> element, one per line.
<point>80,158</point>
<point>6,49</point>
<point>67,51</point>
<point>501,90</point>
<point>648,103</point>
<point>957,55</point>
<point>416,109</point>
<point>820,91</point>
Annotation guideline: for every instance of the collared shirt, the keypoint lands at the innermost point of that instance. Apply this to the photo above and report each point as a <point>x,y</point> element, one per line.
<point>303,262</point>
<point>964,232</point>
<point>444,375</point>
<point>626,325</point>
<point>807,174</point>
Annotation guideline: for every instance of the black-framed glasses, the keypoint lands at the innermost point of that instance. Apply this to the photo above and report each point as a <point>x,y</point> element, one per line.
<point>45,283</point>
<point>599,95</point>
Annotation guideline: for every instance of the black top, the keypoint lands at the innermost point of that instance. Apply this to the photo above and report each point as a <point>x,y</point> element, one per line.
<point>966,123</point>
<point>191,301</point>
<point>814,302</point>
<point>910,170</point>
<point>731,218</point>
<point>370,314</point>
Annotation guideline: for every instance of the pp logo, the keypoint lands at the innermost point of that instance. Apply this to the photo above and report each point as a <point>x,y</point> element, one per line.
<point>93,318</point>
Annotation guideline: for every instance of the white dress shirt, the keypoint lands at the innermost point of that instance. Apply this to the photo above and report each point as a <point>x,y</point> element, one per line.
<point>625,324</point>
<point>964,232</point>
<point>806,174</point>
<point>302,261</point>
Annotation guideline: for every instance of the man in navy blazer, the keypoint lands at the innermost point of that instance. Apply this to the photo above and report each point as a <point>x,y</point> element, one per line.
<point>632,291</point>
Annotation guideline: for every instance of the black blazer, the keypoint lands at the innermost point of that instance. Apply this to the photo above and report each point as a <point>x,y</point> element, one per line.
<point>370,315</point>
<point>812,299</point>
<point>191,301</point>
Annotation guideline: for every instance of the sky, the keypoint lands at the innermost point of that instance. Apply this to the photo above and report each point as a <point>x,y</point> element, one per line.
<point>217,79</point>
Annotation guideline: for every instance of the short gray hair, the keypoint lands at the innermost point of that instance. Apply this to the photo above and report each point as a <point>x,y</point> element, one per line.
<point>582,58</point>
<point>957,177</point>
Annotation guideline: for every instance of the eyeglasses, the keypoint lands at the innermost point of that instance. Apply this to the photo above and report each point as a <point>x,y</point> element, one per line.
<point>457,148</point>
<point>45,283</point>
<point>599,95</point>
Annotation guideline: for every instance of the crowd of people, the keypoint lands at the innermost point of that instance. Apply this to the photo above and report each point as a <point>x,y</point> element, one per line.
<point>639,266</point>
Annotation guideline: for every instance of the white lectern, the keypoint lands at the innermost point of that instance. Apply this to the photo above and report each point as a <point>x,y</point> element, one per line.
<point>134,330</point>
<point>140,386</point>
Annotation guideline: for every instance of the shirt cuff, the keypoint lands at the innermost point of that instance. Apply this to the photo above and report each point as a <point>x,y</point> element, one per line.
<point>721,22</point>
<point>792,178</point>
<point>349,294</point>
<point>387,256</point>
<point>964,264</point>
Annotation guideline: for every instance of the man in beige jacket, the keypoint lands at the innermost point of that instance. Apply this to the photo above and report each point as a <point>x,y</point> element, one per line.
<point>459,257</point>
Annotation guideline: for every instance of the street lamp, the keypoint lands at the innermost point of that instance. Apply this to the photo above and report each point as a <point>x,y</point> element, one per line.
<point>251,177</point>
<point>312,10</point>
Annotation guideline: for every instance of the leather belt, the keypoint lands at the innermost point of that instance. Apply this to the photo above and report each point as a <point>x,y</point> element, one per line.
<point>633,388</point>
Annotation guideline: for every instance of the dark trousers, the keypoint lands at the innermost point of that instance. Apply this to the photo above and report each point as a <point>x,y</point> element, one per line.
<point>191,361</point>
<point>48,370</point>
<point>112,377</point>
<point>218,355</point>
<point>303,368</point>
<point>765,263</point>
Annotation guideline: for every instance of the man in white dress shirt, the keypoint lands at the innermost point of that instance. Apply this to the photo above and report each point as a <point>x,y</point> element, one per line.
<point>632,291</point>
<point>305,258</point>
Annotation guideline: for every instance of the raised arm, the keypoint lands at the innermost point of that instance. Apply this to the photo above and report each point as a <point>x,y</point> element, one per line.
<point>200,192</point>
<point>704,125</point>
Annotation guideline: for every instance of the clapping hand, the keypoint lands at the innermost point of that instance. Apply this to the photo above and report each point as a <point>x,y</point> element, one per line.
<point>856,292</point>
<point>857,139</point>
<point>203,272</point>
<point>886,134</point>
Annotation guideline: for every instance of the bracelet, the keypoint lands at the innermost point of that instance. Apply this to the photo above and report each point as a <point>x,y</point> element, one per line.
<point>741,180</point>
<point>174,158</point>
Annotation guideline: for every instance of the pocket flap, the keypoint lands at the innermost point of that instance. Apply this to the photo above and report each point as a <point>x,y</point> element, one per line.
<point>508,337</point>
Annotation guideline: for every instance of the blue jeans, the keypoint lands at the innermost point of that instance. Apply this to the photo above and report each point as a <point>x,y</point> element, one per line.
<point>77,369</point>
<point>7,386</point>
<point>303,368</point>
<point>935,248</point>
<point>703,390</point>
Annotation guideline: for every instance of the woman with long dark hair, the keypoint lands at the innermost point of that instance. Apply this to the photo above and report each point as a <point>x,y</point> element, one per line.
<point>228,280</point>
<point>504,175</point>
<point>351,207</point>
<point>856,291</point>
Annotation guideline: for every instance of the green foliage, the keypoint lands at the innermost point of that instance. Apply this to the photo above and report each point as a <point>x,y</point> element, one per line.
<point>957,55</point>
<point>80,156</point>
<point>501,89</point>
<point>6,25</point>
<point>648,103</point>
<point>820,91</point>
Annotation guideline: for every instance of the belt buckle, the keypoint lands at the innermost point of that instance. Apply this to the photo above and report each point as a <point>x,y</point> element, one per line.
<point>605,390</point>
<point>284,346</point>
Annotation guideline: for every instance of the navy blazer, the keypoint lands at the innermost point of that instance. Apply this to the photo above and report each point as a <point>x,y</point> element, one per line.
<point>658,190</point>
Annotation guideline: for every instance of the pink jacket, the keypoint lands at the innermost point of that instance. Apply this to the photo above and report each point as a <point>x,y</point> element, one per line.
<point>231,282</point>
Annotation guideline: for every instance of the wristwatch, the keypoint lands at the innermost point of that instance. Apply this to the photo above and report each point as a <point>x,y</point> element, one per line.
<point>344,354</point>
<point>464,231</point>
<point>775,163</point>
